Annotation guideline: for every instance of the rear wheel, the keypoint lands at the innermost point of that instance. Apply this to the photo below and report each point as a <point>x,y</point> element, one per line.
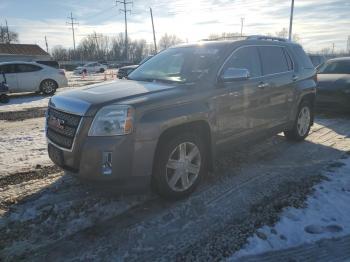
<point>48,87</point>
<point>302,123</point>
<point>180,164</point>
<point>102,70</point>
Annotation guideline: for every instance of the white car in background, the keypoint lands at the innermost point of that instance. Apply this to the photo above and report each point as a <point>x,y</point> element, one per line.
<point>33,77</point>
<point>93,67</point>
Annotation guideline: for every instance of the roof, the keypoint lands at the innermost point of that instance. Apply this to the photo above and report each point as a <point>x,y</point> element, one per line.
<point>21,49</point>
<point>346,58</point>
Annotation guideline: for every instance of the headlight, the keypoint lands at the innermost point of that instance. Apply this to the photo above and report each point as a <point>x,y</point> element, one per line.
<point>113,120</point>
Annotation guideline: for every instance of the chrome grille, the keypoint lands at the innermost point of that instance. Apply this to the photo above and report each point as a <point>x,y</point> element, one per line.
<point>61,127</point>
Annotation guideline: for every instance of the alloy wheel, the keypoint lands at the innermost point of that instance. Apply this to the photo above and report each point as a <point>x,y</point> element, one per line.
<point>183,166</point>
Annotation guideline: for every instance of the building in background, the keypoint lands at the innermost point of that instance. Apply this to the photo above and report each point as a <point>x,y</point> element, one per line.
<point>23,52</point>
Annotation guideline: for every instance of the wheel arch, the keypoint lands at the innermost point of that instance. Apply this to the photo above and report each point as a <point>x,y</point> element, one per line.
<point>200,127</point>
<point>45,79</point>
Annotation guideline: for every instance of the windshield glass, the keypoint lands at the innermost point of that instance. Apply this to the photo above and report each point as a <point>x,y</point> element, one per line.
<point>182,65</point>
<point>336,67</point>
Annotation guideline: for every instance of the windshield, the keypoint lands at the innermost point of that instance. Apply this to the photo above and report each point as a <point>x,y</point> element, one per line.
<point>336,67</point>
<point>182,65</point>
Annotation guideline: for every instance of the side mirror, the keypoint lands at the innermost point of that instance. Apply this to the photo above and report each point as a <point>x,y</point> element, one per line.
<point>232,74</point>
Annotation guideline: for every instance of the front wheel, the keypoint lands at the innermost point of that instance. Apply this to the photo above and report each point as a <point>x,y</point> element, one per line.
<point>180,164</point>
<point>48,87</point>
<point>102,70</point>
<point>302,124</point>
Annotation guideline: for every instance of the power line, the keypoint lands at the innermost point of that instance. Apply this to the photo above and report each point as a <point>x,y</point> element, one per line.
<point>125,10</point>
<point>72,23</point>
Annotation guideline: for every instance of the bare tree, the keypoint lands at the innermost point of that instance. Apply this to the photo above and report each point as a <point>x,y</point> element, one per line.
<point>8,37</point>
<point>59,53</point>
<point>284,34</point>
<point>169,40</point>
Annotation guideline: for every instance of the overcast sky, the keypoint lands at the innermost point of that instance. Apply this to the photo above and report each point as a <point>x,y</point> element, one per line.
<point>319,23</point>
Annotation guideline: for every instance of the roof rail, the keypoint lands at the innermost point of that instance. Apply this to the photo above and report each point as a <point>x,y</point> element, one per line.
<point>264,37</point>
<point>232,37</point>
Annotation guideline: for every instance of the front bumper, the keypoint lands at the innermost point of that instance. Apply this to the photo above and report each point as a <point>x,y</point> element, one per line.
<point>131,162</point>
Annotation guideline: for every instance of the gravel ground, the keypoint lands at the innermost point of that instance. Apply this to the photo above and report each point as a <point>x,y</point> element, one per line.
<point>45,215</point>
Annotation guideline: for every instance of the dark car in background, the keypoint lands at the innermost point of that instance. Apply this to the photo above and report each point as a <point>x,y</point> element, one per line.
<point>333,91</point>
<point>317,59</point>
<point>126,70</point>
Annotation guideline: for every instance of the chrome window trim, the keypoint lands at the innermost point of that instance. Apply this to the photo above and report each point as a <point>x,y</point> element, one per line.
<point>257,77</point>
<point>75,135</point>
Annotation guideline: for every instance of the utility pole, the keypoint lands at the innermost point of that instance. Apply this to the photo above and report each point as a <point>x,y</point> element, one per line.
<point>125,10</point>
<point>72,23</point>
<point>96,37</point>
<point>8,34</point>
<point>154,34</point>
<point>291,21</point>
<point>348,44</point>
<point>47,46</point>
<point>333,45</point>
<point>242,21</point>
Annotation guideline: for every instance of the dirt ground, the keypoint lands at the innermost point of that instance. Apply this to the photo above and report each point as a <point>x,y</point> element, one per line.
<point>46,215</point>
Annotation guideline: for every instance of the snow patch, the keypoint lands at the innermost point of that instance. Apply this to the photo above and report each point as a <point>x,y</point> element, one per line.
<point>326,216</point>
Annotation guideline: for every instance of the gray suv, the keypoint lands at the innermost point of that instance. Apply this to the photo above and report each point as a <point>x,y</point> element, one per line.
<point>166,123</point>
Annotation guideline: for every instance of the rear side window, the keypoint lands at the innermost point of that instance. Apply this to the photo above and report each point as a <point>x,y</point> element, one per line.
<point>302,57</point>
<point>273,60</point>
<point>26,68</point>
<point>246,58</point>
<point>335,67</point>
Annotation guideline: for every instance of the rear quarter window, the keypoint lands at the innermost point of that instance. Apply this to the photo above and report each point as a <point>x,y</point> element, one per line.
<point>303,59</point>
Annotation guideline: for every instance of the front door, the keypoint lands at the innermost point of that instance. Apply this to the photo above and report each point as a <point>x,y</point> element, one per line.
<point>237,101</point>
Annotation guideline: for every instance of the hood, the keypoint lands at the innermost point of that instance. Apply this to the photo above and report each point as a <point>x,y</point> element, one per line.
<point>104,93</point>
<point>333,81</point>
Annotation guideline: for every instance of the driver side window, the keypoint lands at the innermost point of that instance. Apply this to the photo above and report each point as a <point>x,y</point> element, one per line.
<point>245,58</point>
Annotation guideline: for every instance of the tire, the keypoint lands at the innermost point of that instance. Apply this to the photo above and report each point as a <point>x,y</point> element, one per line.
<point>4,99</point>
<point>48,87</point>
<point>302,123</point>
<point>176,156</point>
<point>102,70</point>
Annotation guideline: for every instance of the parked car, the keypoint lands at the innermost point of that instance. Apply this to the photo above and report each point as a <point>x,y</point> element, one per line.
<point>317,59</point>
<point>93,67</point>
<point>126,70</point>
<point>333,91</point>
<point>33,77</point>
<point>166,125</point>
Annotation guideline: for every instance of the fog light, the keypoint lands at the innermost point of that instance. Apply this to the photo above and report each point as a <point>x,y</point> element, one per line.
<point>107,163</point>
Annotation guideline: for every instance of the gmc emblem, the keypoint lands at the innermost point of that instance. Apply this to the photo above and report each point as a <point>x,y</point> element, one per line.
<point>56,122</point>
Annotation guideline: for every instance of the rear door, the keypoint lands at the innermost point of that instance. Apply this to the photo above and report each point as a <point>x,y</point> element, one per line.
<point>276,86</point>
<point>237,102</point>
<point>11,76</point>
<point>28,77</point>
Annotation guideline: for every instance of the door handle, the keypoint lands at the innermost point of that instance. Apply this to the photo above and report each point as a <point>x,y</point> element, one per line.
<point>295,78</point>
<point>262,85</point>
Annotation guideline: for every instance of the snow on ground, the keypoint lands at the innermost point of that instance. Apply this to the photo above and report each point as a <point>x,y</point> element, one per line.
<point>29,100</point>
<point>325,216</point>
<point>22,145</point>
